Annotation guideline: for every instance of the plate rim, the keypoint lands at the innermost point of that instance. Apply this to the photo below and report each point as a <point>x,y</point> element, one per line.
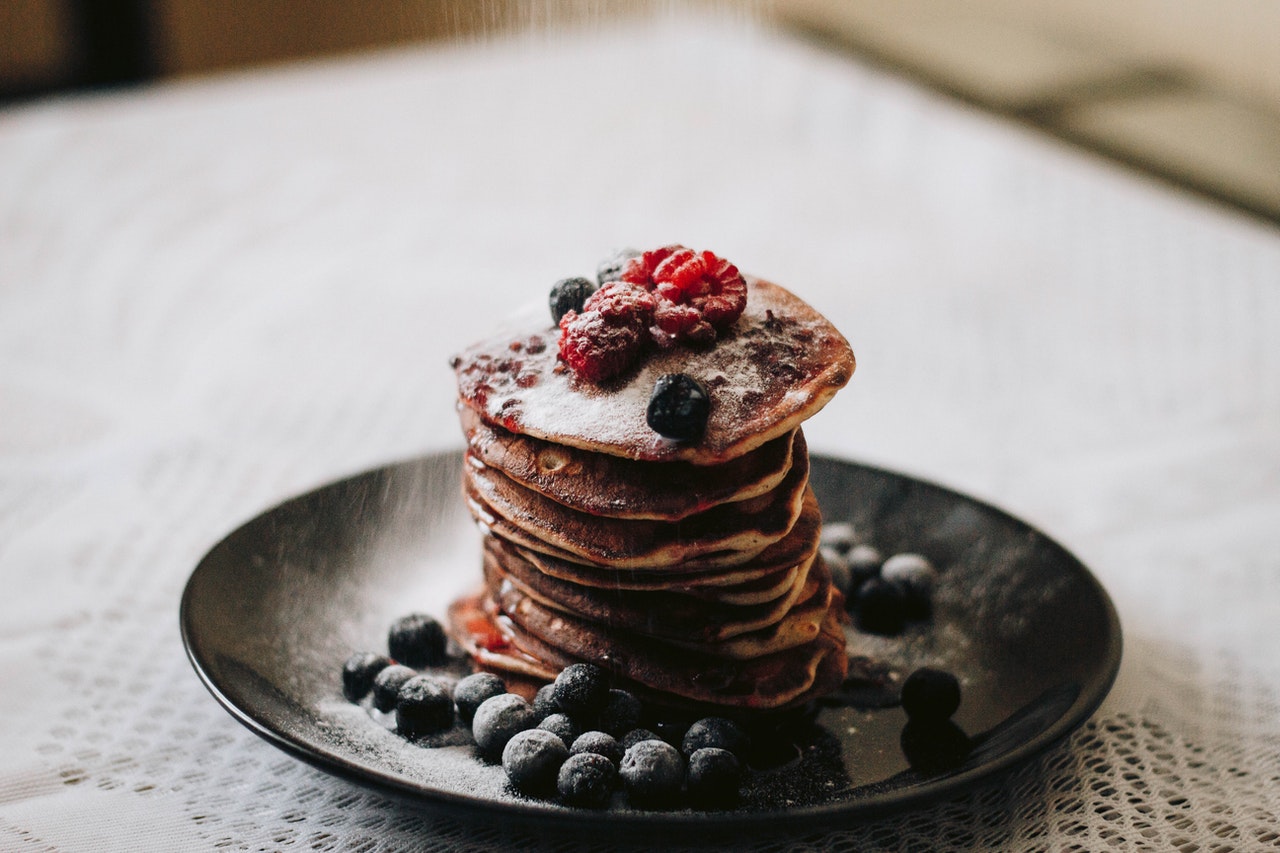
<point>874,805</point>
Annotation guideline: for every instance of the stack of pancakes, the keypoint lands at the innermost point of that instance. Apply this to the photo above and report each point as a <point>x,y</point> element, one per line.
<point>688,569</point>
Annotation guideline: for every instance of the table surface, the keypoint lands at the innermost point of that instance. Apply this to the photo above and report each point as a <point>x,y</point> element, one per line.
<point>220,293</point>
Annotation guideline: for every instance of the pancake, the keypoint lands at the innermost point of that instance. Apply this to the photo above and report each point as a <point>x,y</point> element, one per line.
<point>731,533</point>
<point>763,578</point>
<point>777,365</point>
<point>737,585</point>
<point>660,614</point>
<point>654,671</point>
<point>601,484</point>
<point>490,640</point>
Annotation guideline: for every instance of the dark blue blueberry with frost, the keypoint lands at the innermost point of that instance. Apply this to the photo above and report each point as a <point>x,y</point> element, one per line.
<point>417,640</point>
<point>621,713</point>
<point>387,683</point>
<point>930,694</point>
<point>600,743</point>
<point>839,536</point>
<point>562,726</point>
<point>544,701</point>
<point>917,577</point>
<point>864,563</point>
<point>717,732</point>
<point>423,706</point>
<point>532,760</point>
<point>568,294</point>
<point>471,691</point>
<point>653,773</point>
<point>881,607</point>
<point>587,779</point>
<point>679,407</point>
<point>581,689</point>
<point>634,737</point>
<point>359,672</point>
<point>713,777</point>
<point>497,720</point>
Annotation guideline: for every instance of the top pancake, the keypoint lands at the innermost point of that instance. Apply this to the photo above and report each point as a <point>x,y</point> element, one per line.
<point>601,484</point>
<point>776,366</point>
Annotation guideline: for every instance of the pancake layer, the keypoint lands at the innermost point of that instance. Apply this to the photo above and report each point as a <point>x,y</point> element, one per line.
<point>689,570</point>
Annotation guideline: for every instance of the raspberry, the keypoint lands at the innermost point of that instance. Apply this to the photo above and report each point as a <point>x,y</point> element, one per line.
<point>607,337</point>
<point>698,294</point>
<point>622,304</point>
<point>681,323</point>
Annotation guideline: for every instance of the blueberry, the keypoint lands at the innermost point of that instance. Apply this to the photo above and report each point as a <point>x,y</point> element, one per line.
<point>917,576</point>
<point>497,720</point>
<point>544,702</point>
<point>717,732</point>
<point>474,689</point>
<point>881,607</point>
<point>610,269</point>
<point>423,706</point>
<point>417,640</point>
<point>581,688</point>
<point>653,772</point>
<point>562,726</point>
<point>713,777</point>
<point>635,736</point>
<point>600,743</point>
<point>679,407</point>
<point>930,695</point>
<point>620,714</point>
<point>387,683</point>
<point>864,564</point>
<point>672,731</point>
<point>839,536</point>
<point>568,294</point>
<point>359,672</point>
<point>587,779</point>
<point>934,744</point>
<point>532,760</point>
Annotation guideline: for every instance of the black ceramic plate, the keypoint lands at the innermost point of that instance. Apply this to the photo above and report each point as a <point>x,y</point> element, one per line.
<point>270,614</point>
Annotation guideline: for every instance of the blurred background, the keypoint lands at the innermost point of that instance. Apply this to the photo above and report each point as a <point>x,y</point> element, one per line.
<point>1185,90</point>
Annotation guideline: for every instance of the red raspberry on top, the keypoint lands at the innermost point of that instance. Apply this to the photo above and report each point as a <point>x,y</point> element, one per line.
<point>607,337</point>
<point>698,293</point>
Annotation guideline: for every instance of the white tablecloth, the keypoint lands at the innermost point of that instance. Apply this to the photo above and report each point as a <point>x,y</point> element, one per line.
<point>217,294</point>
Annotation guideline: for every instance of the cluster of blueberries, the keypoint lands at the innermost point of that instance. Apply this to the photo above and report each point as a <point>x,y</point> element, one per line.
<point>883,595</point>
<point>579,739</point>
